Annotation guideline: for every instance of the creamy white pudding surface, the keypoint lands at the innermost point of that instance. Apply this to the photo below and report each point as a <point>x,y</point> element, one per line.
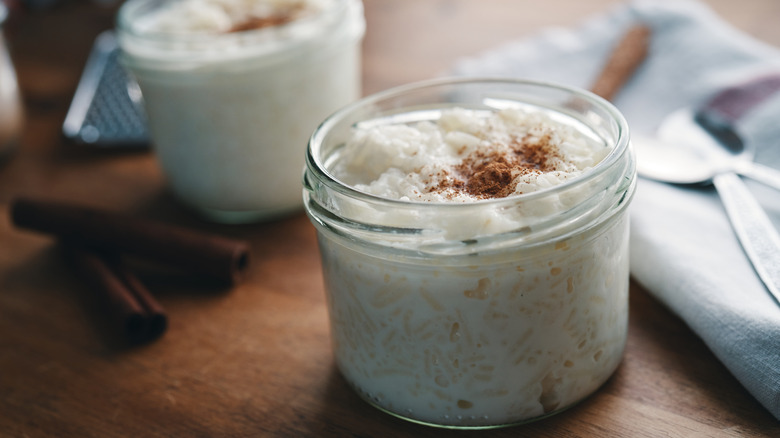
<point>220,16</point>
<point>488,338</point>
<point>467,155</point>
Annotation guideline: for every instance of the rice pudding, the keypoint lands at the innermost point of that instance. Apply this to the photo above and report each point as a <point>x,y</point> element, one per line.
<point>476,268</point>
<point>234,88</point>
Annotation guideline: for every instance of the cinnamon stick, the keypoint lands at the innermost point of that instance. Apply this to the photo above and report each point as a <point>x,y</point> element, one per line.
<point>624,59</point>
<point>219,257</point>
<point>130,307</point>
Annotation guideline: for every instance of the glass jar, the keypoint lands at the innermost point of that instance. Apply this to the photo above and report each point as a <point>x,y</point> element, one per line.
<point>230,113</point>
<point>478,314</point>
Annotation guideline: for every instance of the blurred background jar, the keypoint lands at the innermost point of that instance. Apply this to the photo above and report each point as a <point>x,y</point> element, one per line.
<point>11,114</point>
<point>231,102</point>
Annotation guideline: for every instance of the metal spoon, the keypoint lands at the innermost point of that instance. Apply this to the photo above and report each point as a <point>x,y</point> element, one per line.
<point>684,153</point>
<point>702,156</point>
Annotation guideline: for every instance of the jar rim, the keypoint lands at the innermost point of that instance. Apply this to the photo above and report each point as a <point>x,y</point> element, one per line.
<point>315,164</point>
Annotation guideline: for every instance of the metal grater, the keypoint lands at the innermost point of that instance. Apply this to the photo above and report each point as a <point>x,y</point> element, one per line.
<point>107,109</point>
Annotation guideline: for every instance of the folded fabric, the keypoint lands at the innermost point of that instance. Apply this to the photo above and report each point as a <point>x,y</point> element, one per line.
<point>683,249</point>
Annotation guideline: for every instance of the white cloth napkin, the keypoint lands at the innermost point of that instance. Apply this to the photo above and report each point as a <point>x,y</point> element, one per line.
<point>683,249</point>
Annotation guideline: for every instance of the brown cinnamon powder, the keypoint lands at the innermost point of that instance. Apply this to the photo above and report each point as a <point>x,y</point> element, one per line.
<point>492,179</point>
<point>283,17</point>
<point>492,173</point>
<point>260,22</point>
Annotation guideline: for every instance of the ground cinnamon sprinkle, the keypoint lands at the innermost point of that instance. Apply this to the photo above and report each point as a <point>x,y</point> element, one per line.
<point>492,173</point>
<point>492,179</point>
<point>260,22</point>
<point>278,19</point>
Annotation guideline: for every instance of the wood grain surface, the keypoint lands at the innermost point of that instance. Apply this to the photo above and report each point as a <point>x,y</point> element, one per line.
<point>255,360</point>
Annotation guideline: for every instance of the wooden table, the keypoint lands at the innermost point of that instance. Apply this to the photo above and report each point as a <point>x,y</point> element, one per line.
<point>256,360</point>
